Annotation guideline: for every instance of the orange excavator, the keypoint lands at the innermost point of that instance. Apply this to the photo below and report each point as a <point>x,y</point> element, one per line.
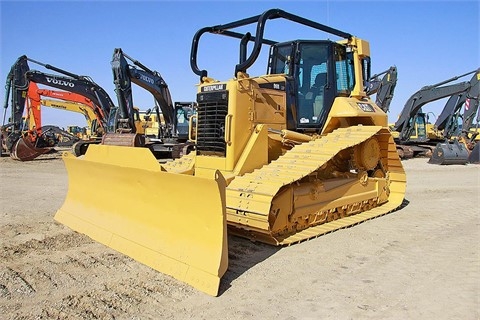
<point>35,139</point>
<point>94,115</point>
<point>98,121</point>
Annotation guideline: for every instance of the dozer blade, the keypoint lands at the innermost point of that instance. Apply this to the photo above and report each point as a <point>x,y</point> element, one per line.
<point>24,150</point>
<point>176,224</point>
<point>449,153</point>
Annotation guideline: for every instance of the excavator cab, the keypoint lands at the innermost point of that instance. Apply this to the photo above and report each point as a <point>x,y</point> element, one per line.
<point>183,112</point>
<point>419,127</point>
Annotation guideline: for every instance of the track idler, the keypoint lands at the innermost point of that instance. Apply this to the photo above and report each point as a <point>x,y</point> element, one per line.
<point>449,153</point>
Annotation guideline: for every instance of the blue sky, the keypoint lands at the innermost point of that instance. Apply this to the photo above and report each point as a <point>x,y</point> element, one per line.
<point>428,41</point>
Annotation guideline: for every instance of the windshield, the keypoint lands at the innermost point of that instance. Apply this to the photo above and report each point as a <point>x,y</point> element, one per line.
<point>420,125</point>
<point>312,80</point>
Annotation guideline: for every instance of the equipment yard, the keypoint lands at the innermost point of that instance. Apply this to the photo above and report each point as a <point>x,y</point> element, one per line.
<point>419,262</point>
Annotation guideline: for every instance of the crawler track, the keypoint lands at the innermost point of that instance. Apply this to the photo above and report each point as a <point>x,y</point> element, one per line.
<point>249,198</point>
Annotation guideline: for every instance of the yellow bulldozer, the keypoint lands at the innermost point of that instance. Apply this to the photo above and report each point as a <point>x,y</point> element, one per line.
<point>280,158</point>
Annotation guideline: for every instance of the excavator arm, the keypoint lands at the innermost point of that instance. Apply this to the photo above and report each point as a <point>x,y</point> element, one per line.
<point>32,142</point>
<point>448,118</point>
<point>471,109</point>
<point>124,74</point>
<point>33,110</point>
<point>16,92</point>
<point>405,123</point>
<point>16,88</point>
<point>383,88</point>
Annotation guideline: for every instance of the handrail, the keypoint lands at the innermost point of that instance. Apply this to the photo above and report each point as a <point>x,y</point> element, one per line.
<point>258,39</point>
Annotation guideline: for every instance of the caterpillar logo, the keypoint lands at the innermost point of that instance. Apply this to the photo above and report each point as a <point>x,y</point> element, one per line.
<point>214,87</point>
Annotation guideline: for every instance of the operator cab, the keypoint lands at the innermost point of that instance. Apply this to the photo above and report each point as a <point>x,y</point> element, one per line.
<point>317,72</point>
<point>183,112</point>
<point>420,126</point>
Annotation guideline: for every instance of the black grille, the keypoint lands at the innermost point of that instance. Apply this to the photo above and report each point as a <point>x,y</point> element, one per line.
<point>211,112</point>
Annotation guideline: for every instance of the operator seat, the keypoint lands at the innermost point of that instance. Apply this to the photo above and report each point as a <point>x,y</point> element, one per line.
<point>315,96</point>
<point>317,87</point>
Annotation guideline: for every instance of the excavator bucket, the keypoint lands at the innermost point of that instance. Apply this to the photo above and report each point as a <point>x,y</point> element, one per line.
<point>24,150</point>
<point>449,153</point>
<point>176,224</point>
<point>474,156</point>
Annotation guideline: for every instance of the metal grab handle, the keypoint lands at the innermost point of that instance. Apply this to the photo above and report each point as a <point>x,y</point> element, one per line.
<point>228,125</point>
<point>190,127</point>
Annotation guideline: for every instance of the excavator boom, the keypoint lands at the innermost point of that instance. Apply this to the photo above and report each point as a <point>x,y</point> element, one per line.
<point>383,88</point>
<point>426,95</point>
<point>82,86</point>
<point>81,108</point>
<point>77,103</point>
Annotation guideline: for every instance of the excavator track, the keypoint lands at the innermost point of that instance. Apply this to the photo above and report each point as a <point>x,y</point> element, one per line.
<point>249,198</point>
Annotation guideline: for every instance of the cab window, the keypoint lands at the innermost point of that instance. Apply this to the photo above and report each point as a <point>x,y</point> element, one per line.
<point>344,71</point>
<point>281,59</point>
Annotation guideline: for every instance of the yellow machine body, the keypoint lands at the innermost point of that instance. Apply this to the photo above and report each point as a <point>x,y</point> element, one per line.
<point>284,187</point>
<point>148,124</point>
<point>267,183</point>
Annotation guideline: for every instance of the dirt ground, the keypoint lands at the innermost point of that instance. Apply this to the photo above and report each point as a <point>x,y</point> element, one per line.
<point>421,262</point>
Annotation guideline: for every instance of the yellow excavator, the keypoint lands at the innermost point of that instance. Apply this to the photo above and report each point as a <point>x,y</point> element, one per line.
<point>84,109</point>
<point>280,158</point>
<point>412,132</point>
